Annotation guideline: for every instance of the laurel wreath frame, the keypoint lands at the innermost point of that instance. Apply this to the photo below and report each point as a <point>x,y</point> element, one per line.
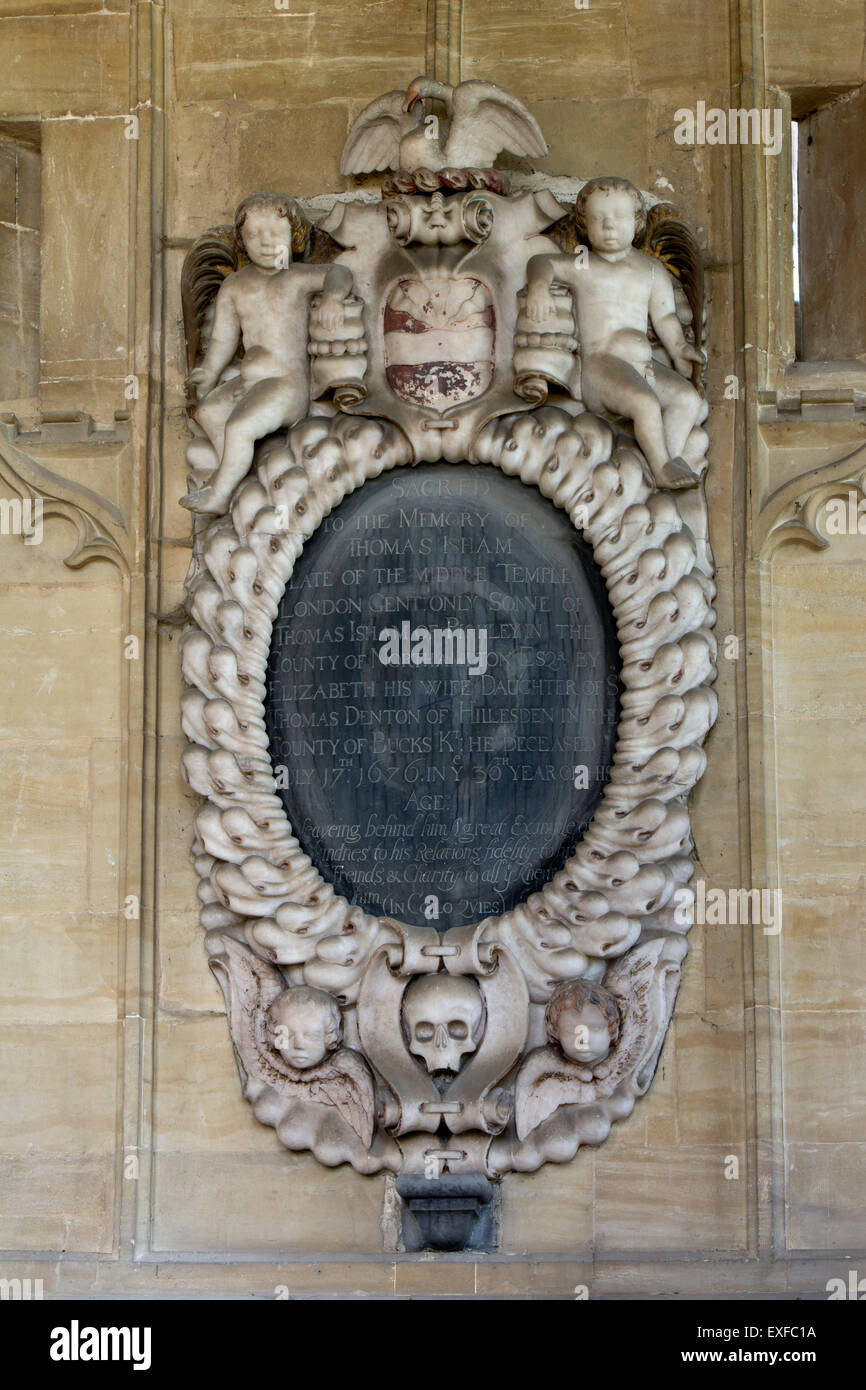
<point>255,880</point>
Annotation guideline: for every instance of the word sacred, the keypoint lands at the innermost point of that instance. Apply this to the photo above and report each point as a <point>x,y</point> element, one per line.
<point>438,646</point>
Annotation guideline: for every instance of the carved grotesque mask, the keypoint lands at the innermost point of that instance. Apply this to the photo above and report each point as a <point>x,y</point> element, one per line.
<point>433,221</point>
<point>443,1015</point>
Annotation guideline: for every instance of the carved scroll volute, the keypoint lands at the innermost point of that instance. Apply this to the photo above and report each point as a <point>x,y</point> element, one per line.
<point>549,356</point>
<point>506,1001</point>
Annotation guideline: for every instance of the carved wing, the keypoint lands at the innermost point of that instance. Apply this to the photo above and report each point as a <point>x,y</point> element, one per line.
<point>564,233</point>
<point>350,1091</point>
<point>545,1082</point>
<point>672,242</point>
<point>646,984</point>
<point>373,142</point>
<point>250,986</point>
<point>209,260</point>
<point>321,247</point>
<point>485,120</point>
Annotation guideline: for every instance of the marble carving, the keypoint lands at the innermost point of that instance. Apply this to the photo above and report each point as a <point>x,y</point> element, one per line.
<point>560,342</point>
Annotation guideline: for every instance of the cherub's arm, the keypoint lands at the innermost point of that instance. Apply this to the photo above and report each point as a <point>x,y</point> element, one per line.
<point>541,272</point>
<point>224,340</point>
<point>663,316</point>
<point>336,288</point>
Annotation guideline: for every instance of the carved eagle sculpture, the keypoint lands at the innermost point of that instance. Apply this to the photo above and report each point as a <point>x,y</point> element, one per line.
<point>483,120</point>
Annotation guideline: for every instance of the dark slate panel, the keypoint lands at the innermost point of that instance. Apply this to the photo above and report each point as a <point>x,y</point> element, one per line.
<point>444,661</point>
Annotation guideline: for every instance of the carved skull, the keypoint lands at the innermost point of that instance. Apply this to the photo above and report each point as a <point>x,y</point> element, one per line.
<point>443,1015</point>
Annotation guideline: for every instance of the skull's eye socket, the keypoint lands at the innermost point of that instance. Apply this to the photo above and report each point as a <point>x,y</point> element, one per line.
<point>424,1032</point>
<point>458,1029</point>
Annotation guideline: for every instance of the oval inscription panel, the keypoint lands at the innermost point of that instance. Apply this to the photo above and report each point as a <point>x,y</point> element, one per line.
<point>442,694</point>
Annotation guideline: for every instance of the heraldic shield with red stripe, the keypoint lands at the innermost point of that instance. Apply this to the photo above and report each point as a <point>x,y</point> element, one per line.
<point>439,340</point>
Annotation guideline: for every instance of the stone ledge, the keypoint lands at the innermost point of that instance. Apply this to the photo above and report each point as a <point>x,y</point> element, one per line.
<point>61,427</point>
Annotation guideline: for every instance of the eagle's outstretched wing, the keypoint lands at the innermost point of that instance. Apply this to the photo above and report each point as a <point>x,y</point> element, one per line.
<point>485,120</point>
<point>672,242</point>
<point>373,142</point>
<point>212,257</point>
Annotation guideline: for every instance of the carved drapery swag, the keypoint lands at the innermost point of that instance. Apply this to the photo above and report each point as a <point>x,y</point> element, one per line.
<point>552,1015</point>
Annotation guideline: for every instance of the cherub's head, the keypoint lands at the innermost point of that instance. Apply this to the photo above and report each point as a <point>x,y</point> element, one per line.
<point>583,1021</point>
<point>610,214</point>
<point>271,228</point>
<point>304,1025</point>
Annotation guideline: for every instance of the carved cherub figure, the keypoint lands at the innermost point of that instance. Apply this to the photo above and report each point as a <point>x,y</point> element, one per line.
<point>305,1027</point>
<point>618,293</point>
<point>264,308</point>
<point>604,1039</point>
<point>288,1043</point>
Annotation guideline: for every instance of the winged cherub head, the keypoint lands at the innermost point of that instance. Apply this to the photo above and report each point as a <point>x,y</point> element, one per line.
<point>583,1020</point>
<point>304,1025</point>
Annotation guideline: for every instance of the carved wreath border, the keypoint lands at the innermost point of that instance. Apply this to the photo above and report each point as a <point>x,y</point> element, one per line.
<point>256,881</point>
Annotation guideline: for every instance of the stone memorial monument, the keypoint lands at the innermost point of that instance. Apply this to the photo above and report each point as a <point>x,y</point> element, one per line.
<point>449,650</point>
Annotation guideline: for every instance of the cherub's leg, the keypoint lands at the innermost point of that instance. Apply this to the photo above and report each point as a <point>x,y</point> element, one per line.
<point>681,407</point>
<point>266,407</point>
<point>615,386</point>
<point>213,412</point>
